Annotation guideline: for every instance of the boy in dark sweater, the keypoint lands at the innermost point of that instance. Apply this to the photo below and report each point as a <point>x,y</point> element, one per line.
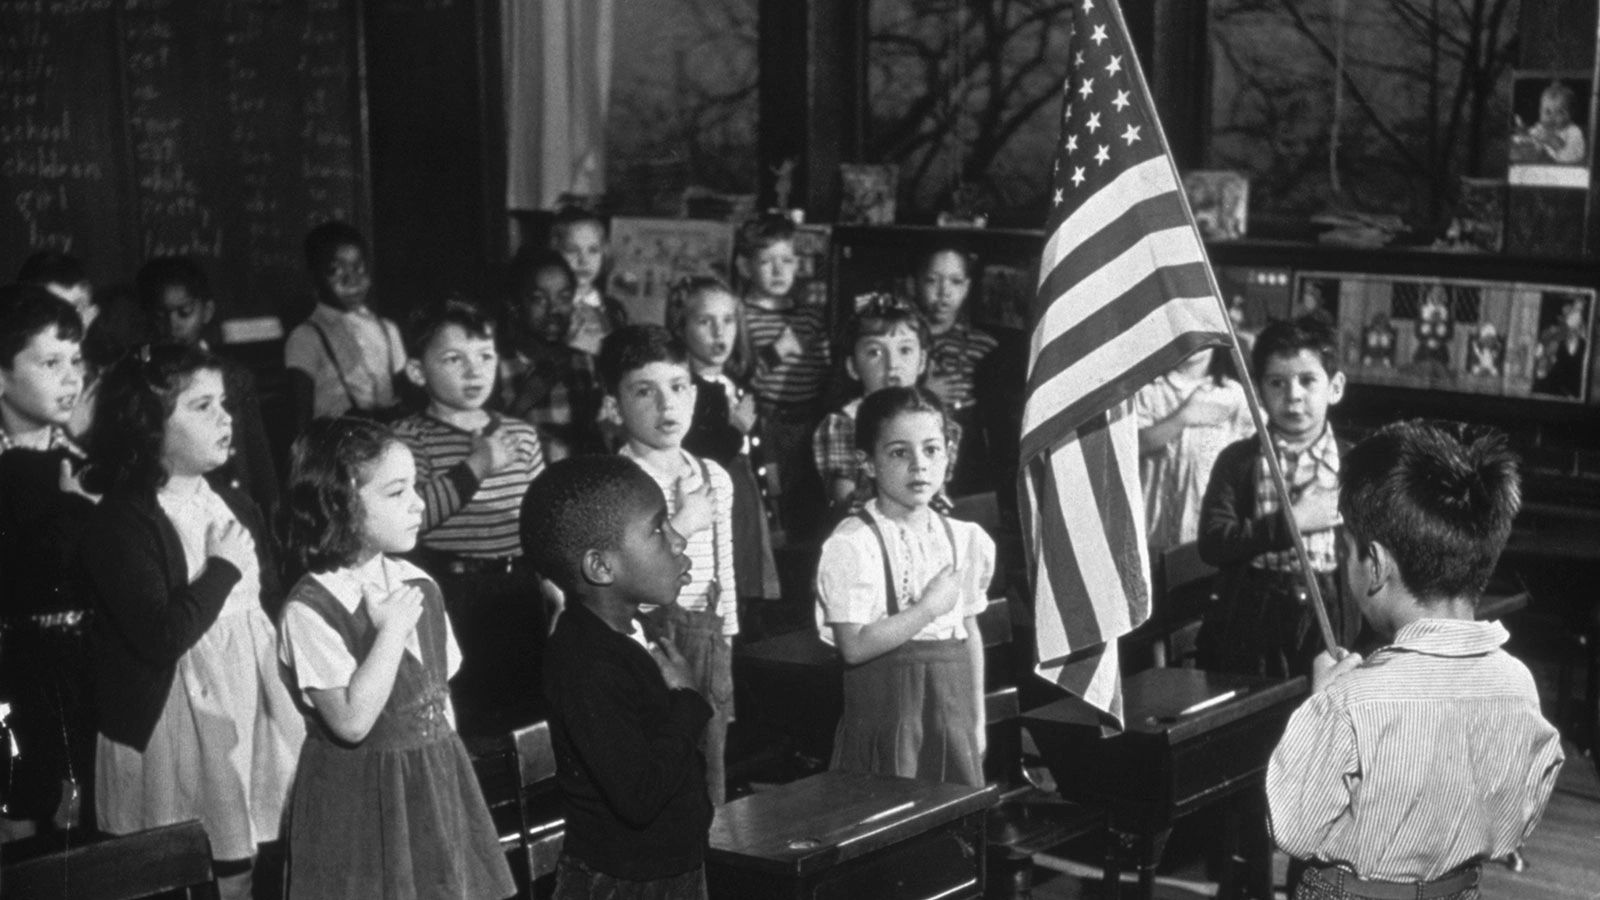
<point>624,718</point>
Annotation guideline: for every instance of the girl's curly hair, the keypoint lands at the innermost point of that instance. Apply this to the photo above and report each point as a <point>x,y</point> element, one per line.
<point>137,395</point>
<point>322,514</point>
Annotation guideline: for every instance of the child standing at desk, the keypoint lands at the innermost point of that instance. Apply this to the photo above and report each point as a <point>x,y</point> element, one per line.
<point>1405,770</point>
<point>625,719</point>
<point>385,801</point>
<point>899,587</point>
<point>1262,623</point>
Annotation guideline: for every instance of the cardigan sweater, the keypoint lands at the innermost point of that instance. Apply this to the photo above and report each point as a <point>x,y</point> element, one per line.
<point>148,613</point>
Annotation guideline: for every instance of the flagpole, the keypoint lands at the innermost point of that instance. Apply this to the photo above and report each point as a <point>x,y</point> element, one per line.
<point>1314,592</point>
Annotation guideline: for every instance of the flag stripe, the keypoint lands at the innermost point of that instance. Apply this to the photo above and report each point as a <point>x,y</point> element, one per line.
<point>1062,577</point>
<point>1117,526</point>
<point>1114,238</point>
<point>1151,178</point>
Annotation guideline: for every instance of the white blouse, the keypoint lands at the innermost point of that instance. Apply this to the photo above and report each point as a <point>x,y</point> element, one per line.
<point>850,578</point>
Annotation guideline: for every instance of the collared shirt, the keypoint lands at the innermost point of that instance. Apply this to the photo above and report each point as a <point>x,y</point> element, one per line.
<point>1429,754</point>
<point>313,649</point>
<point>1317,465</point>
<point>850,579</point>
<point>56,439</point>
<point>710,550</point>
<point>369,352</point>
<point>193,507</point>
<point>833,444</point>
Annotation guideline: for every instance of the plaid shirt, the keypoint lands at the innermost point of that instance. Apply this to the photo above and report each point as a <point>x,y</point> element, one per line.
<point>833,444</point>
<point>1317,464</point>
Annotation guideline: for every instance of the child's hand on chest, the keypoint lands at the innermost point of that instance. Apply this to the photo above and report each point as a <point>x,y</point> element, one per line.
<point>692,496</point>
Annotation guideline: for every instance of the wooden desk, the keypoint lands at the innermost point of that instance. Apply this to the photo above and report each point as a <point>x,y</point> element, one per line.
<point>1164,765</point>
<point>846,835</point>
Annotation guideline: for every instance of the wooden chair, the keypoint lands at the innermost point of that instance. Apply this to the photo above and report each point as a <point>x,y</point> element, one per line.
<point>540,826</point>
<point>128,867</point>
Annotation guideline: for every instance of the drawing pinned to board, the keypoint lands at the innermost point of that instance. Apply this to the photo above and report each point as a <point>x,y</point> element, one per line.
<point>649,256</point>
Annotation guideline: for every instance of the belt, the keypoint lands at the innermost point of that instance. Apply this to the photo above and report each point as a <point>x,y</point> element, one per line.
<point>478,565</point>
<point>1453,882</point>
<point>65,621</point>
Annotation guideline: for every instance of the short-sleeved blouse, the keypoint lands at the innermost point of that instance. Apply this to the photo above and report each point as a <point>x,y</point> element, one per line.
<point>850,576</point>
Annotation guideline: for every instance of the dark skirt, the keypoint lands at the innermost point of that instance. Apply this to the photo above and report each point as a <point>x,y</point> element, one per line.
<point>910,713</point>
<point>755,571</point>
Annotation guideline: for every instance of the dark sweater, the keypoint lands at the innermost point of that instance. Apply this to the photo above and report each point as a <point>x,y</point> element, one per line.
<point>712,434</point>
<point>148,614</point>
<point>628,761</point>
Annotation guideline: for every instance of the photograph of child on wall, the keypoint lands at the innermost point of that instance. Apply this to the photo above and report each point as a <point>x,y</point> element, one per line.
<point>1549,130</point>
<point>1562,355</point>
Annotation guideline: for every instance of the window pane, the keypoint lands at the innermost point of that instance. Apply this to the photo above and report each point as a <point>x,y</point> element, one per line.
<point>1424,101</point>
<point>683,102</point>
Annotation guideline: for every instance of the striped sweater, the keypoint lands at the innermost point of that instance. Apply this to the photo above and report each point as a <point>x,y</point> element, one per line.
<point>464,516</point>
<point>798,381</point>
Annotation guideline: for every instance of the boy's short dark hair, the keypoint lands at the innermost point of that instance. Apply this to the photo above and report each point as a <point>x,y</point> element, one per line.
<point>46,267</point>
<point>878,314</point>
<point>576,505</point>
<point>27,310</point>
<point>432,317</point>
<point>324,241</point>
<point>568,216</point>
<point>1440,496</point>
<point>1287,337</point>
<point>633,347</point>
<point>762,232</point>
<point>322,508</point>
<point>162,272</point>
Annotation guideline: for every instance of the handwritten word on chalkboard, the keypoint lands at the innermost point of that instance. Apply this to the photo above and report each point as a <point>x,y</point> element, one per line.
<point>221,129</point>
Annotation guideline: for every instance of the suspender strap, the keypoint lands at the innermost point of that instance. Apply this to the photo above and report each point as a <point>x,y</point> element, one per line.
<point>889,598</point>
<point>716,542</point>
<point>327,347</point>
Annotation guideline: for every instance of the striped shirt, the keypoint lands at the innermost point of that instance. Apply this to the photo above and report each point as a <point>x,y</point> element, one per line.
<point>954,356</point>
<point>710,550</point>
<point>465,516</point>
<point>800,380</point>
<point>1430,753</point>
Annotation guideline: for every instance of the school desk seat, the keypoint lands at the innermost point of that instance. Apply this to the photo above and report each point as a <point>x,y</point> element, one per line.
<point>127,867</point>
<point>540,829</point>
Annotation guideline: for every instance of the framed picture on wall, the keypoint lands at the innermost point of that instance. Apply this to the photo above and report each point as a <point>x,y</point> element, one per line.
<point>1551,135</point>
<point>1475,337</point>
<point>1220,200</point>
<point>649,256</point>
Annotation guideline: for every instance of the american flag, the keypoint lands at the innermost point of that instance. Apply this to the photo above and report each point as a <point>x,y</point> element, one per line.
<point>1124,296</point>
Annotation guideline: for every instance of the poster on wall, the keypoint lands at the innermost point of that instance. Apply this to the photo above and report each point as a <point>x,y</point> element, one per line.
<point>1507,339</point>
<point>649,256</point>
<point>1220,200</point>
<point>1551,136</point>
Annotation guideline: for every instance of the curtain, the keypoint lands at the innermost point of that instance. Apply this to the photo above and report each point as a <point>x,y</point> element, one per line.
<point>558,85</point>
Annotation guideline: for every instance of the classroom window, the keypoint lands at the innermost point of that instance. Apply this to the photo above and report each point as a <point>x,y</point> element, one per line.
<point>963,98</point>
<point>1381,107</point>
<point>683,103</point>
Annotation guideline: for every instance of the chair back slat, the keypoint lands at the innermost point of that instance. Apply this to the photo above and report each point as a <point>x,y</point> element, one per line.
<point>127,867</point>
<point>541,834</point>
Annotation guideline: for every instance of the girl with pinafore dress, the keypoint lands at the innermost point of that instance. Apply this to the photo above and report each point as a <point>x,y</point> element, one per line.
<point>386,803</point>
<point>194,721</point>
<point>900,586</point>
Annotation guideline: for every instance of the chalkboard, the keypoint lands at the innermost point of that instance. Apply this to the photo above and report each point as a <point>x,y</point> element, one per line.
<point>222,129</point>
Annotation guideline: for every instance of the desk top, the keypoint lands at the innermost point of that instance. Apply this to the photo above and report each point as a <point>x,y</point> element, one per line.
<point>1154,702</point>
<point>828,818</point>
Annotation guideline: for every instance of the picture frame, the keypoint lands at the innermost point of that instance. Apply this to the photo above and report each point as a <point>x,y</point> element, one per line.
<point>867,193</point>
<point>1511,339</point>
<point>1551,137</point>
<point>649,256</point>
<point>1220,202</point>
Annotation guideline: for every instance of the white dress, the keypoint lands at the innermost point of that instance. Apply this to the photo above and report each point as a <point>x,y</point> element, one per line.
<point>225,747</point>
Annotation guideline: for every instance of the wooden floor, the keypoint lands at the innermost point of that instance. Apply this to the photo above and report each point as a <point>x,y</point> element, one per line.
<point>1563,855</point>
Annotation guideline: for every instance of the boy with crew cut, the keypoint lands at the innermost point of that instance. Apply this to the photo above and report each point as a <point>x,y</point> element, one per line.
<point>1406,769</point>
<point>650,387</point>
<point>473,467</point>
<point>44,603</point>
<point>1262,623</point>
<point>790,342</point>
<point>625,719</point>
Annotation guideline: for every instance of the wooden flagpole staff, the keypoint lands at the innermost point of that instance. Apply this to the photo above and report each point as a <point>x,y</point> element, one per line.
<point>1313,592</point>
